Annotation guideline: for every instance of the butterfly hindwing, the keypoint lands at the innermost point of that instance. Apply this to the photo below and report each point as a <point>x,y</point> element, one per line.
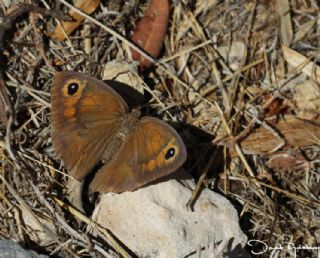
<point>154,149</point>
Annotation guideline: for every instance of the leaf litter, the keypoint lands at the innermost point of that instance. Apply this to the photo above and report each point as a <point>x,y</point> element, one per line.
<point>240,77</point>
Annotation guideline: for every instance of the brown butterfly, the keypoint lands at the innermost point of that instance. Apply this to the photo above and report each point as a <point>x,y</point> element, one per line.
<point>92,123</point>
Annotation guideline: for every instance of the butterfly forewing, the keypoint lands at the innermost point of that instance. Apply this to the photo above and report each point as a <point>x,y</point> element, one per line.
<point>86,114</point>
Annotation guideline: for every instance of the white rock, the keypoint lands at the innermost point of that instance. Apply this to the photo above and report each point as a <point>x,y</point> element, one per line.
<point>124,72</point>
<point>154,222</point>
<point>10,249</point>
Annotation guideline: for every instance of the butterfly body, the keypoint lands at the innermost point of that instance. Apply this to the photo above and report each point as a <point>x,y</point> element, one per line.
<point>129,122</point>
<point>92,123</point>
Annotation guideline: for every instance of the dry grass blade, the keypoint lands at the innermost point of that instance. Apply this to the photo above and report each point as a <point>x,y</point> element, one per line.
<point>107,29</point>
<point>66,28</point>
<point>5,105</point>
<point>286,32</point>
<point>94,225</point>
<point>42,231</point>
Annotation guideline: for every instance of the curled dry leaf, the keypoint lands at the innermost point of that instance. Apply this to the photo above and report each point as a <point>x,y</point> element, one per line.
<point>287,161</point>
<point>307,99</point>
<point>301,63</point>
<point>272,106</point>
<point>296,133</point>
<point>87,6</point>
<point>151,30</point>
<point>121,71</point>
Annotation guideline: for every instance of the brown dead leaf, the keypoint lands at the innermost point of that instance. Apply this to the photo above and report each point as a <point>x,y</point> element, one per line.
<point>272,106</point>
<point>151,30</point>
<point>296,133</point>
<point>87,6</point>
<point>287,161</point>
<point>307,99</point>
<point>301,63</point>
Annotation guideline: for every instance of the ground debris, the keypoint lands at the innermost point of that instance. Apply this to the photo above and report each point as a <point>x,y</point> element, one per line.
<point>241,75</point>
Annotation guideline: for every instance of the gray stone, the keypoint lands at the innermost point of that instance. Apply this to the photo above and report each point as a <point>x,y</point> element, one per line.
<point>10,249</point>
<point>153,221</point>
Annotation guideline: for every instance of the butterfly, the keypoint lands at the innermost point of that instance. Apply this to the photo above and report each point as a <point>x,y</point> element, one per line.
<point>92,124</point>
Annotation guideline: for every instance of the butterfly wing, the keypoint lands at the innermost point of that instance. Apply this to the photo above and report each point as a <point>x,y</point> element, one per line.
<point>152,150</point>
<point>86,114</point>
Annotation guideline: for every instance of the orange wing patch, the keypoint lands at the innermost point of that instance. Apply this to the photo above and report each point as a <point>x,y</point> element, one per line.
<point>69,113</point>
<point>151,165</point>
<point>160,158</point>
